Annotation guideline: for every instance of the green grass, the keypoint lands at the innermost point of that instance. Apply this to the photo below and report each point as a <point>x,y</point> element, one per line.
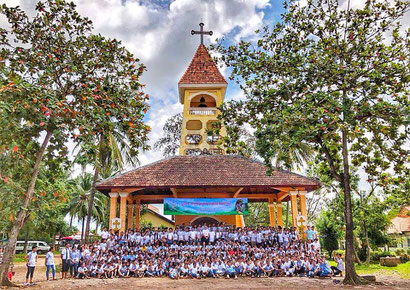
<point>403,270</point>
<point>19,258</point>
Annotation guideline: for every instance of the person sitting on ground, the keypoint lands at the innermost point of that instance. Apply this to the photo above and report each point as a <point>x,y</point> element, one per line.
<point>82,271</point>
<point>324,268</point>
<point>340,266</point>
<point>230,271</point>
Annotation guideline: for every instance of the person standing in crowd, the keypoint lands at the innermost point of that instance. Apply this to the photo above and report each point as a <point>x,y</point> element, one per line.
<point>65,258</point>
<point>74,261</point>
<point>105,234</point>
<point>49,262</point>
<point>31,260</point>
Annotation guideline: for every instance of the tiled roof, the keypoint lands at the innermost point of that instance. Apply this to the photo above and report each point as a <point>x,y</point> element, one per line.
<point>206,171</point>
<point>399,225</point>
<point>202,69</point>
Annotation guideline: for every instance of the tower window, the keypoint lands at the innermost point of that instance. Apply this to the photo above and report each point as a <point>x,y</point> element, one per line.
<point>194,125</point>
<point>213,139</point>
<point>193,152</point>
<point>193,139</point>
<point>203,101</point>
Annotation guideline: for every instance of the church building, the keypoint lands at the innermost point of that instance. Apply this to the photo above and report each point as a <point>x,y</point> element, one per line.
<point>202,170</point>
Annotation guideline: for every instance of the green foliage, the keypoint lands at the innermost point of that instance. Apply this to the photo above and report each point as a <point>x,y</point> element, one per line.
<point>59,82</point>
<point>171,136</point>
<point>258,214</point>
<point>144,224</point>
<point>329,233</point>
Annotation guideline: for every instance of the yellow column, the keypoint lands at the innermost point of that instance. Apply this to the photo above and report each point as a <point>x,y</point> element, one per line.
<point>302,201</point>
<point>137,214</point>
<point>123,209</point>
<point>113,206</point>
<point>130,217</point>
<point>271,212</point>
<point>279,213</point>
<point>294,205</point>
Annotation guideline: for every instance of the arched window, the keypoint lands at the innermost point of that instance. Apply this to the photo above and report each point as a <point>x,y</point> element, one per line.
<point>203,101</point>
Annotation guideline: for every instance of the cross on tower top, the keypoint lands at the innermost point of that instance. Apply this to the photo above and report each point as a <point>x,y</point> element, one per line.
<point>201,32</point>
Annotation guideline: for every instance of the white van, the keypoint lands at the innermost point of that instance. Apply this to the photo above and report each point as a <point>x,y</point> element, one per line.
<point>42,247</point>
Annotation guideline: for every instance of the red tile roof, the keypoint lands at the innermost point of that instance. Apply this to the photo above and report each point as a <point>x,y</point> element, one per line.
<point>202,69</point>
<point>206,171</point>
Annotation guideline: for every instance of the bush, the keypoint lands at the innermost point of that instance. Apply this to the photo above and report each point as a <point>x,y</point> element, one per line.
<point>404,256</point>
<point>376,255</point>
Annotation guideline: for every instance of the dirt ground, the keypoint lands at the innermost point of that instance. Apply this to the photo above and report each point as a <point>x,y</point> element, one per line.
<point>385,282</point>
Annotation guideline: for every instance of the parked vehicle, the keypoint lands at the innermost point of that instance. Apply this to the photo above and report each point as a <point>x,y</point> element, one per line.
<point>67,240</point>
<point>42,247</point>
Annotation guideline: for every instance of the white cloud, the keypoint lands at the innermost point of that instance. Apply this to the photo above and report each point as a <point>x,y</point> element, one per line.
<point>159,34</point>
<point>161,38</point>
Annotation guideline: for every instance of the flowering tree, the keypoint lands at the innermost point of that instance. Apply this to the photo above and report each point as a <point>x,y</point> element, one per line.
<point>59,82</point>
<point>335,79</point>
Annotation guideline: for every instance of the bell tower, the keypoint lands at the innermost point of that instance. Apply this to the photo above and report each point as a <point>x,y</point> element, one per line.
<point>201,90</point>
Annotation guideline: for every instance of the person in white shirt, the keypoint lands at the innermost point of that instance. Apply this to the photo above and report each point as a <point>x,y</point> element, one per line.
<point>82,271</point>
<point>65,258</point>
<point>31,259</point>
<point>49,262</point>
<point>205,235</point>
<point>105,234</point>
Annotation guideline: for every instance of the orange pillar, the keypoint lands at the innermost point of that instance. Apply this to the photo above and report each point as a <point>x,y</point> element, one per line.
<point>129,217</point>
<point>113,207</point>
<point>137,214</point>
<point>302,204</point>
<point>123,209</point>
<point>279,213</point>
<point>271,212</point>
<point>294,205</point>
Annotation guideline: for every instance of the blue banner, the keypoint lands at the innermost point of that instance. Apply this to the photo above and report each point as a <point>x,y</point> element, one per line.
<point>205,206</point>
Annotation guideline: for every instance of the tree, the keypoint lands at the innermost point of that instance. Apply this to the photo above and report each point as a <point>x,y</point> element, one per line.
<point>258,215</point>
<point>171,136</point>
<point>60,82</point>
<point>331,78</point>
<point>329,232</point>
<point>79,204</point>
<point>112,151</point>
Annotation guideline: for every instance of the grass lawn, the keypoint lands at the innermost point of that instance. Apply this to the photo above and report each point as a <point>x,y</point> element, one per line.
<point>402,269</point>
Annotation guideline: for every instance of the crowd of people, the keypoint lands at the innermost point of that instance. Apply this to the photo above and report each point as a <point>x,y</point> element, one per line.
<point>195,252</point>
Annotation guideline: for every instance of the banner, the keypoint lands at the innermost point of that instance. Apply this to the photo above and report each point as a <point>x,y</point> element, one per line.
<point>205,206</point>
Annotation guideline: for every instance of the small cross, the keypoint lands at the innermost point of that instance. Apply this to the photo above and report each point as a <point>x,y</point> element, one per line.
<point>116,223</point>
<point>201,32</point>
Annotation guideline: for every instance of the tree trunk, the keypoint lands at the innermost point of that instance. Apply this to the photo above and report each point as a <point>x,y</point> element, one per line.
<point>287,214</point>
<point>367,244</point>
<point>92,192</point>
<point>351,276</point>
<point>82,229</point>
<point>25,242</point>
<point>96,227</point>
<point>21,214</point>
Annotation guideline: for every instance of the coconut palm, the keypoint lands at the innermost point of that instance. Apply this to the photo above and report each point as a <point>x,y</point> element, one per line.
<point>78,207</point>
<point>112,153</point>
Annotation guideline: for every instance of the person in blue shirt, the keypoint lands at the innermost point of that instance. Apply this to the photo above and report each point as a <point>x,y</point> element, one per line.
<point>230,271</point>
<point>75,256</point>
<point>324,268</point>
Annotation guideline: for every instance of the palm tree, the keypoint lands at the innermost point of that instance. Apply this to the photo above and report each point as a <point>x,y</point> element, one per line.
<point>113,153</point>
<point>78,207</point>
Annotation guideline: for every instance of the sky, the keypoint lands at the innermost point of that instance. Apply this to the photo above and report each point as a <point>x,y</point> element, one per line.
<point>158,33</point>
